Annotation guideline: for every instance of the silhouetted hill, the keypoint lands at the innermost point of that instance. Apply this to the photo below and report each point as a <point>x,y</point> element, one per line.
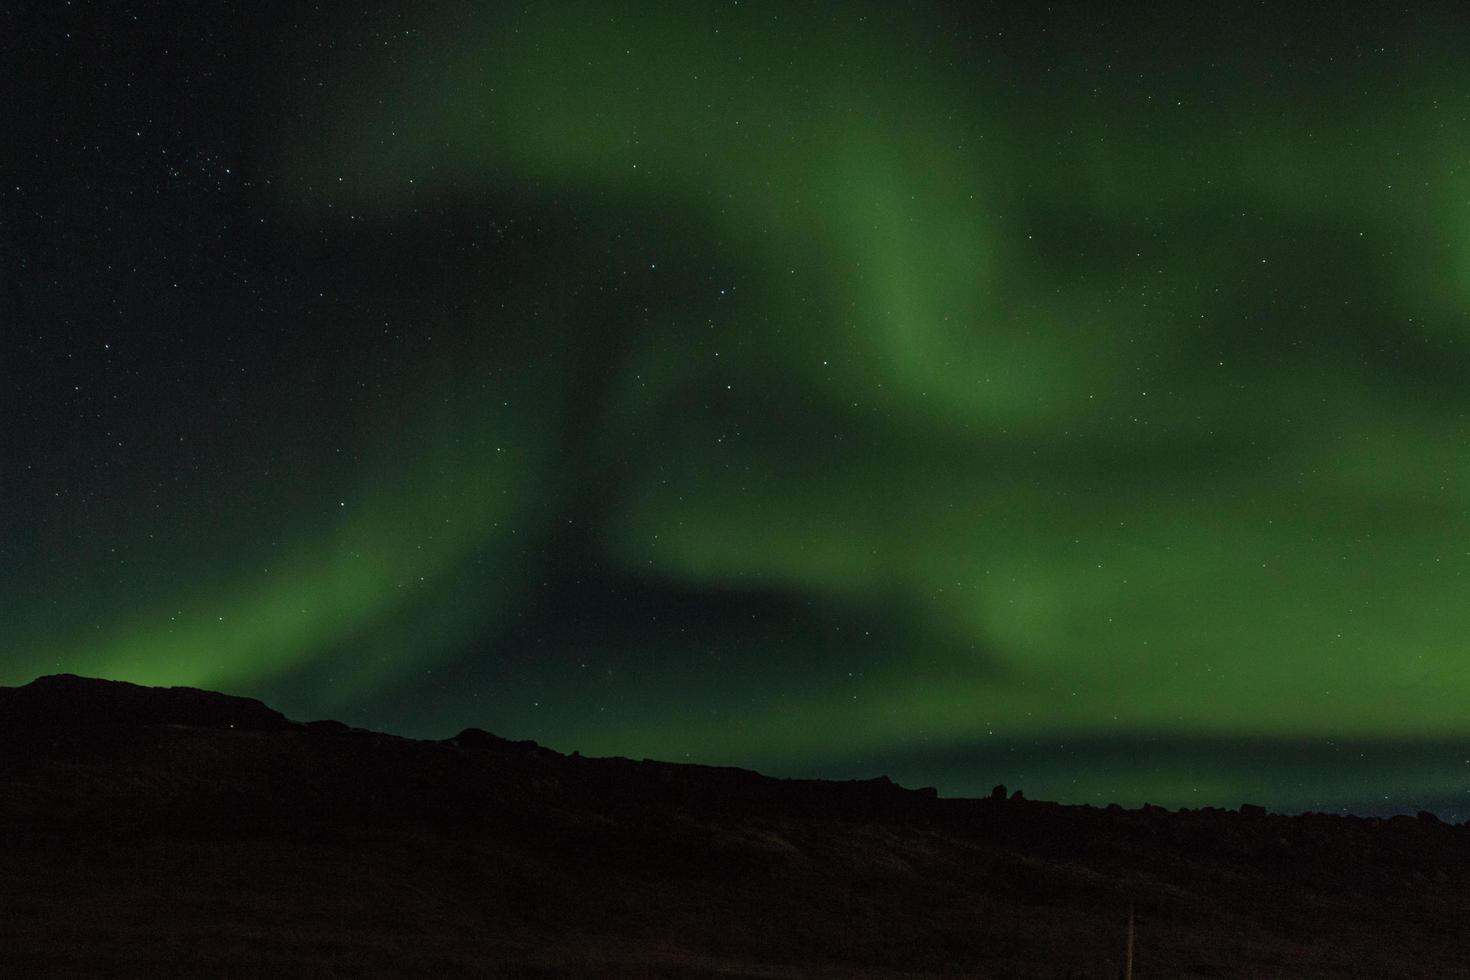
<point>66,699</point>
<point>174,832</point>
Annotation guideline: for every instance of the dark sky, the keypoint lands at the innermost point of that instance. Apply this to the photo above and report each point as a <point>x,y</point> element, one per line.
<point>972,393</point>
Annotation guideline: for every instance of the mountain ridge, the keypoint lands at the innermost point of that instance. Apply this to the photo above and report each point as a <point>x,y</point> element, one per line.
<point>191,824</point>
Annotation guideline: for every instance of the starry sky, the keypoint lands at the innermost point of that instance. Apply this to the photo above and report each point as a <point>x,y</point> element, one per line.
<point>975,393</point>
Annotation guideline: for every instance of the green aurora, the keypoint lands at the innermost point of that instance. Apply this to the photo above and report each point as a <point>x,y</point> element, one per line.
<point>819,388</point>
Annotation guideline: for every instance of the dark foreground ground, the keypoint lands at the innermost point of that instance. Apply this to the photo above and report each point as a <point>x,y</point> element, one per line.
<point>141,835</point>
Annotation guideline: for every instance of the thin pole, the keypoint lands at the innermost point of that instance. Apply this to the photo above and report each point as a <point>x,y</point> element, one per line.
<point>1128,952</point>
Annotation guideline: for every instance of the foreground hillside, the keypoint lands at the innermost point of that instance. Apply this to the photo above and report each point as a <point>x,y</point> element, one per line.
<point>178,833</point>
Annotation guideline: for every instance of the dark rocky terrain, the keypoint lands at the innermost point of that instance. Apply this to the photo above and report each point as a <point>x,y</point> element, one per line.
<point>180,833</point>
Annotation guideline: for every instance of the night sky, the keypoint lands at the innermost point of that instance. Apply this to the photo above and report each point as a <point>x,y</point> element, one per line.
<point>970,393</point>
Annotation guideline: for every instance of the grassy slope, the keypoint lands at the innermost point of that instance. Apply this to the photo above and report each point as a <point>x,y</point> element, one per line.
<point>169,851</point>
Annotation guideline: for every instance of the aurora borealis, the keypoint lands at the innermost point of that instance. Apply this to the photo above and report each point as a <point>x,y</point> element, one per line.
<point>974,394</point>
